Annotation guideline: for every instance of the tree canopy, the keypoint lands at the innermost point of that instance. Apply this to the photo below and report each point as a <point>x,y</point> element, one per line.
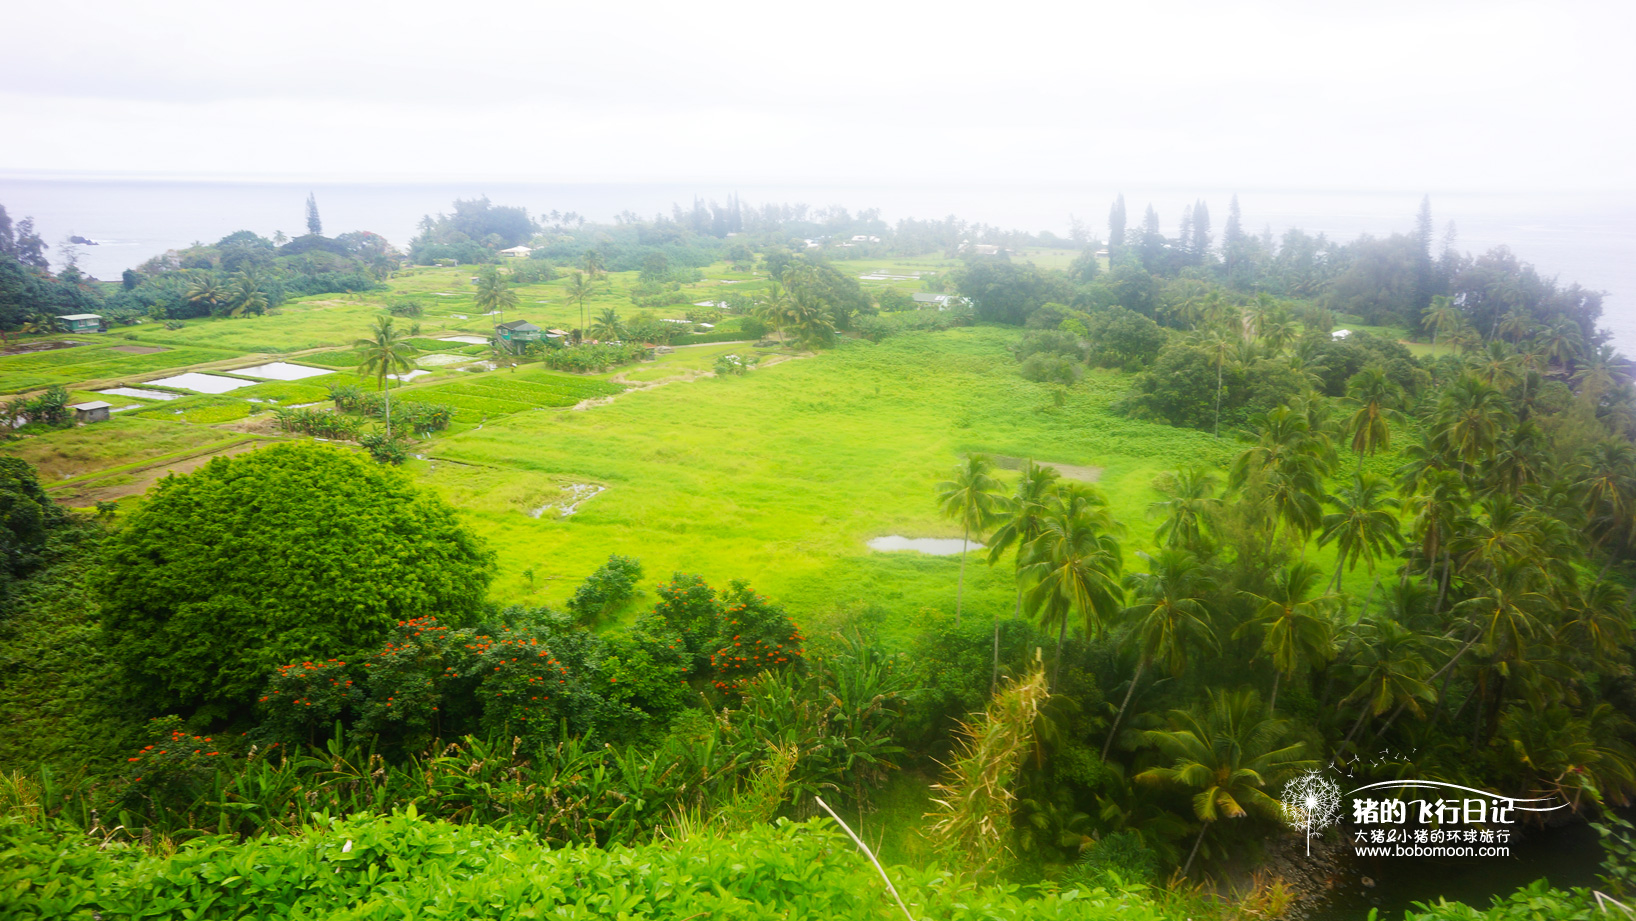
<point>294,552</point>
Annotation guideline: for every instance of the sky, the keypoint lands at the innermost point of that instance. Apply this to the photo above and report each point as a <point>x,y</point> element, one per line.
<point>1382,95</point>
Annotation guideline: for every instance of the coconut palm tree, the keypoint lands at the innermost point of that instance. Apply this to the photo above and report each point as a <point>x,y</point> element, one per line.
<point>494,295</point>
<point>1188,504</point>
<point>1171,615</point>
<point>607,327</point>
<point>592,261</point>
<point>579,288</point>
<point>1295,626</point>
<point>1073,565</point>
<point>386,350</point>
<point>1020,519</point>
<point>1229,756</point>
<point>1391,660</point>
<point>1363,525</point>
<point>1377,398</point>
<point>971,498</point>
<point>1443,318</point>
<point>1285,468</point>
<point>247,296</point>
<point>205,290</point>
<point>1469,419</point>
<point>1220,345</point>
<point>774,307</point>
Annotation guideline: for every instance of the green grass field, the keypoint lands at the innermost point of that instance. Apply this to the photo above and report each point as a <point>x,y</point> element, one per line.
<point>121,441</point>
<point>783,475</point>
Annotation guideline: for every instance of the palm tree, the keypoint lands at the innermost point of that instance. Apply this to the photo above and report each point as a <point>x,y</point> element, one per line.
<point>493,294</point>
<point>806,307</point>
<point>1285,467</point>
<point>1073,565</point>
<point>1020,517</point>
<point>592,261</point>
<point>1295,627</point>
<point>1228,756</point>
<point>205,290</point>
<point>1170,615</point>
<point>1605,477</point>
<point>972,499</point>
<point>1443,317</point>
<point>1365,524</point>
<point>1561,342</point>
<point>40,322</point>
<point>774,308</point>
<point>247,296</point>
<point>578,290</point>
<point>1377,398</point>
<point>1219,345</point>
<point>386,350</point>
<point>1189,503</point>
<point>1392,660</point>
<point>1436,506</point>
<point>606,327</point>
<point>1470,418</point>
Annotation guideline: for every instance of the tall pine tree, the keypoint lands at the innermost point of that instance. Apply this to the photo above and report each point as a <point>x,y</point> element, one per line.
<point>314,225</point>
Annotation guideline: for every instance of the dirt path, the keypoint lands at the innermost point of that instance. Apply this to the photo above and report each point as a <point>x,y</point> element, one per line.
<point>1068,471</point>
<point>143,479</point>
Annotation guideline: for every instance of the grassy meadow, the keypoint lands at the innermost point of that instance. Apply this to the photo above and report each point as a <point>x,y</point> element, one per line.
<point>779,477</point>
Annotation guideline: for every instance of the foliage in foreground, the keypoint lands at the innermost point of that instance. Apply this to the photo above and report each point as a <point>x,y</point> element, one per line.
<point>292,552</point>
<point>403,866</point>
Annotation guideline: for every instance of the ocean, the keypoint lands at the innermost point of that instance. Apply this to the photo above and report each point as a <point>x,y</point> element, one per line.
<point>1588,238</point>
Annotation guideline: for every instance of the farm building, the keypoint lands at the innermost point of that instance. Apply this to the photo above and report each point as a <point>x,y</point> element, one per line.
<point>94,411</point>
<point>81,322</point>
<point>517,331</point>
<point>516,251</point>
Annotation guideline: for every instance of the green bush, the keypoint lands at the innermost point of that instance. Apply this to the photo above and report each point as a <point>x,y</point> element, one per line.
<point>603,591</point>
<point>290,553</point>
<point>397,866</point>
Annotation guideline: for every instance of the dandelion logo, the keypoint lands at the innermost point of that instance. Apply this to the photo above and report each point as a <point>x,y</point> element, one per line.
<point>1311,803</point>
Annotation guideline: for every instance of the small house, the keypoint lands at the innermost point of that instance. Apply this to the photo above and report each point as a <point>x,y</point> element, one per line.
<point>517,251</point>
<point>1341,334</point>
<point>81,323</point>
<point>94,411</point>
<point>518,331</point>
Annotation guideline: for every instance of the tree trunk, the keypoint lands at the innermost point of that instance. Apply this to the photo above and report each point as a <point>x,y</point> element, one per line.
<point>960,589</point>
<point>1443,588</point>
<point>386,392</point>
<point>1062,637</point>
<point>1446,672</point>
<point>1369,596</point>
<point>1218,412</point>
<point>1195,851</point>
<point>1358,725</point>
<point>1272,702</point>
<point>1124,704</point>
<point>1481,693</point>
<point>1390,720</point>
<point>994,677</point>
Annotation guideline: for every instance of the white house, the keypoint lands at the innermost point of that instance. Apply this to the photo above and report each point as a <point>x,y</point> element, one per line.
<point>517,251</point>
<point>1340,334</point>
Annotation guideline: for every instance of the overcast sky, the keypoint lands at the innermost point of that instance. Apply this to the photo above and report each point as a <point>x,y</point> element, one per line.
<point>1379,95</point>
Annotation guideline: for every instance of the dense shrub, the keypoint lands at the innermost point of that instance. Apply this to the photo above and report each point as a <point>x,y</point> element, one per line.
<point>294,552</point>
<point>603,591</point>
<point>314,422</point>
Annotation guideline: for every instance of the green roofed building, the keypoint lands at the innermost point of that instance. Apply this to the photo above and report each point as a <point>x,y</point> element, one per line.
<point>518,331</point>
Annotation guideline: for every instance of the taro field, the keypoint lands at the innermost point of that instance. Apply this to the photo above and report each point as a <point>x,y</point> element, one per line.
<point>494,395</point>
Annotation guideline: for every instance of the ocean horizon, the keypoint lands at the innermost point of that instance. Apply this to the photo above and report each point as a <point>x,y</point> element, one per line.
<point>1583,237</point>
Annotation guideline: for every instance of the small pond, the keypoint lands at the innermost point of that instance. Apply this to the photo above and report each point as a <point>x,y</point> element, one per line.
<point>934,546</point>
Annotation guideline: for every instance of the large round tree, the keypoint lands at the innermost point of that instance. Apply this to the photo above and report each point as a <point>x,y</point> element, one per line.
<point>294,552</point>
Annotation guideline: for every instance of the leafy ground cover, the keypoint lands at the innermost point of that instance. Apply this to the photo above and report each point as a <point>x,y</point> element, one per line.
<point>402,866</point>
